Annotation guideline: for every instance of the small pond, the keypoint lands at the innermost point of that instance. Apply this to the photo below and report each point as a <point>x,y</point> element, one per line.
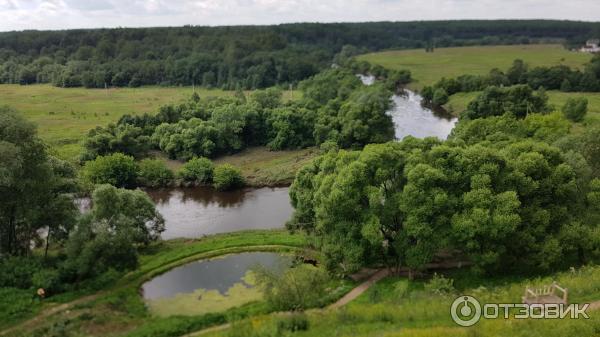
<point>194,212</point>
<point>210,285</point>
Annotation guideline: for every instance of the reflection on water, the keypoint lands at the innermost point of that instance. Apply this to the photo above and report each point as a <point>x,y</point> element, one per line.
<point>411,118</point>
<point>197,211</point>
<point>219,274</point>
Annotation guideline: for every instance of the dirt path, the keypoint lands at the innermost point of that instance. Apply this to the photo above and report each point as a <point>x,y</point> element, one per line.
<point>351,295</point>
<point>44,313</point>
<point>354,293</point>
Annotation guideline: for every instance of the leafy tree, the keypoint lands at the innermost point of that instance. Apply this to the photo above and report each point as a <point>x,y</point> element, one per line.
<point>197,170</point>
<point>363,118</point>
<point>124,138</point>
<point>575,108</point>
<point>227,177</point>
<point>34,187</point>
<point>291,127</point>
<point>402,203</point>
<point>519,100</point>
<point>116,169</point>
<point>154,173</point>
<point>107,237</point>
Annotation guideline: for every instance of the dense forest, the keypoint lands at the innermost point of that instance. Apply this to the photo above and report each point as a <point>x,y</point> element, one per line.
<point>243,56</point>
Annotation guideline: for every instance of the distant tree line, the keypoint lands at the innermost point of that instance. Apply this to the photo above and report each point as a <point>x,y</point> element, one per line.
<point>558,77</point>
<point>241,56</point>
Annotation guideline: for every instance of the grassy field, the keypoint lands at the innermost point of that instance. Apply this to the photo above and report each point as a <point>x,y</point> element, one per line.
<point>64,115</point>
<point>398,307</point>
<point>260,167</point>
<point>427,68</point>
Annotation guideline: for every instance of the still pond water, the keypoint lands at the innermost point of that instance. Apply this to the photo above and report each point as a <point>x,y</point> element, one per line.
<point>210,285</point>
<point>194,212</point>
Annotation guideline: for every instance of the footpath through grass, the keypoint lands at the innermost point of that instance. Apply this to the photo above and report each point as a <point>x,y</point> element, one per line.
<point>427,68</point>
<point>398,307</point>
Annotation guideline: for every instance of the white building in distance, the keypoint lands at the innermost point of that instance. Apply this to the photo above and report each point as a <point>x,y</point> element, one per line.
<point>591,46</point>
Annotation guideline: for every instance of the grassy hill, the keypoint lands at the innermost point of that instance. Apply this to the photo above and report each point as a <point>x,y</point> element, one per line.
<point>427,68</point>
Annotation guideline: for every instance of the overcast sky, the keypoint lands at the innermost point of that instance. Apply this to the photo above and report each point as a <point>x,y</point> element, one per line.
<point>62,14</point>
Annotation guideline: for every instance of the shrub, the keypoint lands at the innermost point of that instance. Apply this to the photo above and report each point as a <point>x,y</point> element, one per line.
<point>116,169</point>
<point>198,170</point>
<point>17,272</point>
<point>154,173</point>
<point>48,279</point>
<point>575,108</point>
<point>297,288</point>
<point>440,97</point>
<point>439,285</point>
<point>227,177</point>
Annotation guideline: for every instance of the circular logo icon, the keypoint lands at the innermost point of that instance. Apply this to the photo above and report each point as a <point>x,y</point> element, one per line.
<point>465,311</point>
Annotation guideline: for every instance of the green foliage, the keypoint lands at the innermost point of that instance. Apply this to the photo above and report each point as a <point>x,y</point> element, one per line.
<point>519,100</point>
<point>154,173</point>
<point>107,237</point>
<point>241,57</point>
<point>124,138</point>
<point>297,321</point>
<point>291,128</point>
<point>18,272</point>
<point>34,187</point>
<point>116,169</point>
<point>298,288</point>
<point>438,284</point>
<point>15,304</point>
<point>227,177</point>
<point>401,203</point>
<point>197,170</point>
<point>440,97</point>
<point>575,109</point>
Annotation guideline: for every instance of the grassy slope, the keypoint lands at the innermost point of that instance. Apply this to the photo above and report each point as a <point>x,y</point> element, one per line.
<point>64,115</point>
<point>427,68</point>
<point>398,307</point>
<point>260,167</point>
<point>119,309</point>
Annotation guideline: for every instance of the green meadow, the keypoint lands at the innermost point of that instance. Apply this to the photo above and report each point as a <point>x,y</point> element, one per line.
<point>427,68</point>
<point>64,115</point>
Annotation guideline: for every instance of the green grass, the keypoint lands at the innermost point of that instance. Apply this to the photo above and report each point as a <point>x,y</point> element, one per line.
<point>427,68</point>
<point>119,308</point>
<point>260,166</point>
<point>458,103</point>
<point>64,115</point>
<point>398,307</point>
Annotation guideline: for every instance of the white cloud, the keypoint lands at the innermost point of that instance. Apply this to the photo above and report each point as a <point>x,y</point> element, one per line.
<point>62,14</point>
